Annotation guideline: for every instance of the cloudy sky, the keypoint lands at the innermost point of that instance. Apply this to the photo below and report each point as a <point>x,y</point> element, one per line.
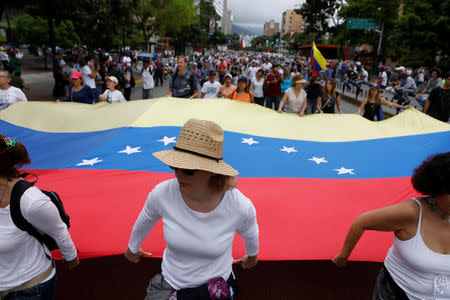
<point>252,14</point>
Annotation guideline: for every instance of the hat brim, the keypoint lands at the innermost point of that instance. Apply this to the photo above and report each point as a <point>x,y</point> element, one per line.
<point>183,160</point>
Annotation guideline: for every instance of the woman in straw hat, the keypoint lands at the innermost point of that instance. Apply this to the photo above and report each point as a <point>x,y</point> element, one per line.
<point>201,211</point>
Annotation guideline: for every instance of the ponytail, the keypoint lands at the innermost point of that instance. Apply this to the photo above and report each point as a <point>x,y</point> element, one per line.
<point>13,155</point>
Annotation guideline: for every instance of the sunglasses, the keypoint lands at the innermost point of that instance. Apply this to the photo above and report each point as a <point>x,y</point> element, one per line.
<point>187,172</point>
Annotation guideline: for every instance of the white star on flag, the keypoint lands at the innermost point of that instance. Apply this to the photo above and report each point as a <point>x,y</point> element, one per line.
<point>288,150</point>
<point>249,141</point>
<point>168,140</point>
<point>129,150</point>
<point>343,170</point>
<point>318,160</point>
<point>89,162</point>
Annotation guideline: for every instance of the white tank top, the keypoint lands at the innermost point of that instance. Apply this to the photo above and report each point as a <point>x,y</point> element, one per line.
<point>422,273</point>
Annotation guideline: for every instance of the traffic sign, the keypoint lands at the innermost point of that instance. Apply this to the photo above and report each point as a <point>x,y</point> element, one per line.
<point>355,23</point>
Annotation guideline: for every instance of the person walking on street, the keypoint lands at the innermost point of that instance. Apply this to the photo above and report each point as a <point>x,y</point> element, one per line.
<point>313,92</point>
<point>80,92</point>
<point>4,58</point>
<point>201,210</point>
<point>148,82</point>
<point>256,87</point>
<point>417,266</point>
<point>295,97</point>
<point>373,105</point>
<point>227,89</point>
<point>273,88</point>
<point>183,83</point>
<point>58,75</point>
<point>27,269</point>
<point>9,94</point>
<point>159,71</point>
<point>211,88</point>
<point>16,63</point>
<point>327,102</point>
<point>242,92</point>
<point>89,72</point>
<point>438,103</point>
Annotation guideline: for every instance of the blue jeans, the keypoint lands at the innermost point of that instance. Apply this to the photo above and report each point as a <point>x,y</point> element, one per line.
<point>42,291</point>
<point>275,101</point>
<point>422,99</point>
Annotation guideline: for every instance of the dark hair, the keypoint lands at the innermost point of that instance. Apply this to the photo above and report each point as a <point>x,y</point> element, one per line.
<point>432,177</point>
<point>12,159</point>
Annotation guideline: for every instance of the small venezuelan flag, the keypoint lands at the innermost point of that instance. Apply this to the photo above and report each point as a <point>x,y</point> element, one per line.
<point>318,62</point>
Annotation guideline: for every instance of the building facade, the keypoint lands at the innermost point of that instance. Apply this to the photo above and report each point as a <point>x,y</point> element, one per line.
<point>226,16</point>
<point>271,28</point>
<point>292,22</point>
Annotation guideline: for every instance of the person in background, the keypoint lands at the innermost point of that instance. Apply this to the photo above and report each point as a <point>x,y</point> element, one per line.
<point>9,94</point>
<point>148,82</point>
<point>313,92</point>
<point>17,81</point>
<point>159,71</point>
<point>80,92</point>
<point>210,89</point>
<point>252,70</point>
<point>327,102</point>
<point>256,87</point>
<point>438,103</point>
<point>222,68</point>
<point>287,83</point>
<point>242,92</point>
<point>67,73</point>
<point>434,82</point>
<point>112,95</point>
<point>382,77</point>
<point>129,81</point>
<point>58,75</point>
<point>4,58</point>
<point>227,89</point>
<point>407,87</point>
<point>273,83</point>
<point>201,210</point>
<point>27,270</point>
<point>16,63</point>
<point>294,97</point>
<point>373,105</point>
<point>89,72</point>
<point>417,265</point>
<point>183,83</point>
<point>103,71</point>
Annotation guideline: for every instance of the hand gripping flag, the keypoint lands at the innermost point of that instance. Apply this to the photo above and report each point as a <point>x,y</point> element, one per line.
<point>307,177</point>
<point>318,62</point>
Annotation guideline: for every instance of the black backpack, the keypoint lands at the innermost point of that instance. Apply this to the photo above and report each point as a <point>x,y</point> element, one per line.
<point>19,220</point>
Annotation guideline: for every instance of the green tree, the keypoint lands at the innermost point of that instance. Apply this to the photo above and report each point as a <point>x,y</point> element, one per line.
<point>321,16</point>
<point>421,34</point>
<point>386,11</point>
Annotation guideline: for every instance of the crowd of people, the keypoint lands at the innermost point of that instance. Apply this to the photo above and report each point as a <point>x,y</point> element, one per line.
<point>265,79</point>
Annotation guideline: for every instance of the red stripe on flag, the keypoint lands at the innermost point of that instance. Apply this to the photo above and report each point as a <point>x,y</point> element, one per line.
<point>299,218</point>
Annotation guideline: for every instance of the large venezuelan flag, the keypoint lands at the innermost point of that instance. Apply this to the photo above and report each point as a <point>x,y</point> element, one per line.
<point>307,177</point>
<point>318,62</point>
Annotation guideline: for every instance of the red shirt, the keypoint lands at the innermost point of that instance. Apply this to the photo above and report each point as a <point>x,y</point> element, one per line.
<point>222,67</point>
<point>273,89</point>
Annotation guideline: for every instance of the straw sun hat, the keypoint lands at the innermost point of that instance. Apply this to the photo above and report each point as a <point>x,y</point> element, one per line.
<point>199,147</point>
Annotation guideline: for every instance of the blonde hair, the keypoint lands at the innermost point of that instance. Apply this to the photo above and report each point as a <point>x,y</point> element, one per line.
<point>222,183</point>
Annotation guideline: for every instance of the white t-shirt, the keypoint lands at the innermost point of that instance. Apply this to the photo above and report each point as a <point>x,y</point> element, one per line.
<point>267,66</point>
<point>126,59</point>
<point>10,96</point>
<point>383,76</point>
<point>252,72</point>
<point>3,56</point>
<point>199,245</point>
<point>211,89</point>
<point>258,87</point>
<point>294,103</point>
<point>115,96</point>
<point>22,257</point>
<point>86,71</point>
<point>147,79</point>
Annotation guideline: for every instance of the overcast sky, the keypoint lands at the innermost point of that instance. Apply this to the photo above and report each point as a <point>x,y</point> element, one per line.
<point>252,14</point>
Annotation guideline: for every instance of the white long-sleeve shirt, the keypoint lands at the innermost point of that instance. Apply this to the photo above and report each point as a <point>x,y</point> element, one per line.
<point>22,257</point>
<point>199,245</point>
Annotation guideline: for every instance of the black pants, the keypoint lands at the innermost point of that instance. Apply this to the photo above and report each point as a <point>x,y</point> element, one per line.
<point>127,93</point>
<point>59,89</point>
<point>387,289</point>
<point>259,100</point>
<point>159,77</point>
